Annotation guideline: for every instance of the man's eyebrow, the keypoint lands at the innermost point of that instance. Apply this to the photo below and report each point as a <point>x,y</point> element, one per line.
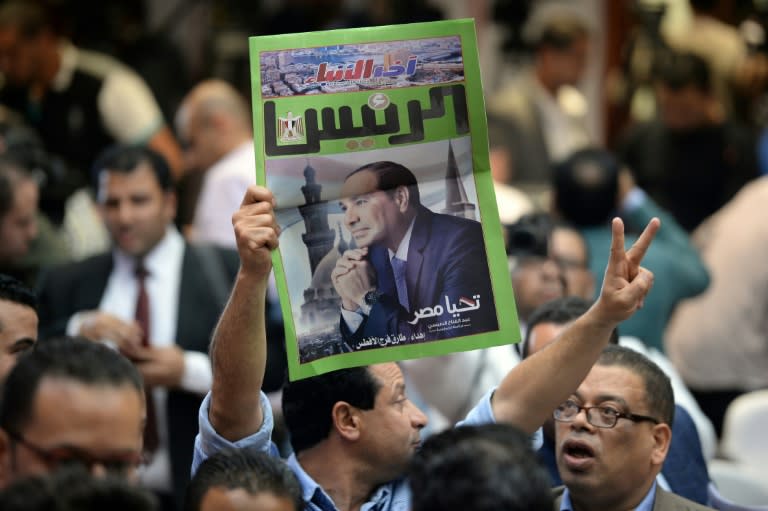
<point>612,397</point>
<point>24,341</point>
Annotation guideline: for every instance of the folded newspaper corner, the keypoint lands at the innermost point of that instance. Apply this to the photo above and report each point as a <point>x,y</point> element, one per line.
<point>374,142</point>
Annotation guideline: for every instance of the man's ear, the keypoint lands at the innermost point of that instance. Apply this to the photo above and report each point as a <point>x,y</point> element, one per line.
<point>402,197</point>
<point>346,420</point>
<point>170,205</point>
<point>6,461</point>
<point>662,436</point>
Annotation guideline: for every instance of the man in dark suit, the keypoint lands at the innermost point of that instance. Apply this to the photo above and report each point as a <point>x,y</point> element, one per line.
<point>416,275</point>
<point>155,297</point>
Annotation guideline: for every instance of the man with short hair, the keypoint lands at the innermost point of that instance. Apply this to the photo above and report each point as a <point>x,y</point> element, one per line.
<point>79,101</point>
<point>154,297</point>
<point>19,195</point>
<point>28,240</point>
<point>609,456</point>
<point>479,468</point>
<point>692,157</point>
<point>214,125</point>
<point>354,430</point>
<point>588,188</point>
<point>407,258</point>
<point>536,275</point>
<point>685,468</point>
<point>18,322</point>
<point>541,116</point>
<point>73,488</point>
<point>570,250</point>
<point>240,479</point>
<point>71,400</point>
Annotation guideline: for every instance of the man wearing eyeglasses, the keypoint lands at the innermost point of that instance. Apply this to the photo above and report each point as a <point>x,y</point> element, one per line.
<point>612,436</point>
<point>71,401</point>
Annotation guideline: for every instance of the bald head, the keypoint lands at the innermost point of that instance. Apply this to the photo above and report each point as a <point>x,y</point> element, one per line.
<point>213,119</point>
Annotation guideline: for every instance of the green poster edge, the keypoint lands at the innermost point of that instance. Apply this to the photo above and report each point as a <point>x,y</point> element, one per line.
<point>509,329</point>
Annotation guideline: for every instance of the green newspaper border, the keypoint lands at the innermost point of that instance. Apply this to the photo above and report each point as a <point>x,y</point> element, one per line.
<point>509,331</point>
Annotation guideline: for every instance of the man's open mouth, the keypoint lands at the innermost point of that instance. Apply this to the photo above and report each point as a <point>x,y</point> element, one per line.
<point>578,455</point>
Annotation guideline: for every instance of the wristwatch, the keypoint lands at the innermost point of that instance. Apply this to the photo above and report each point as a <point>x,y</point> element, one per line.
<point>369,299</point>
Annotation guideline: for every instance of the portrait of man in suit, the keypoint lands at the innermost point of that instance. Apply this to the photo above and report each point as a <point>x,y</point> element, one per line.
<point>154,297</point>
<point>413,275</point>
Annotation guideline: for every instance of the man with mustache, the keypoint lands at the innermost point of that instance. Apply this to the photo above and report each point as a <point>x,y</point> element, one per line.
<point>609,455</point>
<point>353,431</point>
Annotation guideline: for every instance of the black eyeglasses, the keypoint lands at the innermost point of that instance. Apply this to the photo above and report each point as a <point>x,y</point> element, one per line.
<point>598,416</point>
<point>122,463</point>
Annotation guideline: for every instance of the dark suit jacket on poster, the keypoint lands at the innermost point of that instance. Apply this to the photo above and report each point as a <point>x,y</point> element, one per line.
<point>664,501</point>
<point>446,258</point>
<point>204,288</point>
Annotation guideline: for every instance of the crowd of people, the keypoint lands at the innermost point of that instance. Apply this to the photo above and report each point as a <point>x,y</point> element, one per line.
<point>142,357</point>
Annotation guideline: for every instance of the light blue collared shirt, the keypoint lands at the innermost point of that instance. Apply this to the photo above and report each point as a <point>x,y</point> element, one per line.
<point>392,496</point>
<point>645,505</point>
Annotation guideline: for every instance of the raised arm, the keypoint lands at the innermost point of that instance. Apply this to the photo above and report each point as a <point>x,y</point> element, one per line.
<point>239,346</point>
<point>535,387</point>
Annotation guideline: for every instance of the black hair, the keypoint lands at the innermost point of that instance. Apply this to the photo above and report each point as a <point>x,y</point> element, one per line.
<point>490,467</point>
<point>73,488</point>
<point>560,32</point>
<point>678,70</point>
<point>126,158</point>
<point>253,471</point>
<point>391,175</point>
<point>586,187</point>
<point>658,389</point>
<point>15,291</point>
<point>71,358</point>
<point>11,172</point>
<point>559,311</point>
<point>307,403</point>
<point>530,235</point>
<point>703,5</point>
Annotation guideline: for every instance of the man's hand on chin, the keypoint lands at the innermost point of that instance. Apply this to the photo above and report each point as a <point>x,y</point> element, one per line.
<point>353,277</point>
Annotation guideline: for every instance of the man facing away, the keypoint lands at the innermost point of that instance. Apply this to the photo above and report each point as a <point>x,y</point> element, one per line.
<point>407,258</point>
<point>239,480</point>
<point>353,431</point>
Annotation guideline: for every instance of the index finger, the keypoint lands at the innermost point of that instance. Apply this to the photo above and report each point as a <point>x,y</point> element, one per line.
<point>640,247</point>
<point>256,193</point>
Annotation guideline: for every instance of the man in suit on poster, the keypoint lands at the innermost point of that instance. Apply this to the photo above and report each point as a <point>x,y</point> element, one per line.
<point>180,287</point>
<point>415,275</point>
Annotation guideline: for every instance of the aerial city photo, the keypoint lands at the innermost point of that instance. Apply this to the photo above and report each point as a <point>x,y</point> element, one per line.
<point>354,67</point>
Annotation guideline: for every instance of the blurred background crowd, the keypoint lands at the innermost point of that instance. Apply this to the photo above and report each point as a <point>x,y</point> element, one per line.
<point>596,108</point>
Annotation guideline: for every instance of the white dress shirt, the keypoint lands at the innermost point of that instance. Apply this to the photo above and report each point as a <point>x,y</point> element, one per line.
<point>222,192</point>
<point>163,285</point>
